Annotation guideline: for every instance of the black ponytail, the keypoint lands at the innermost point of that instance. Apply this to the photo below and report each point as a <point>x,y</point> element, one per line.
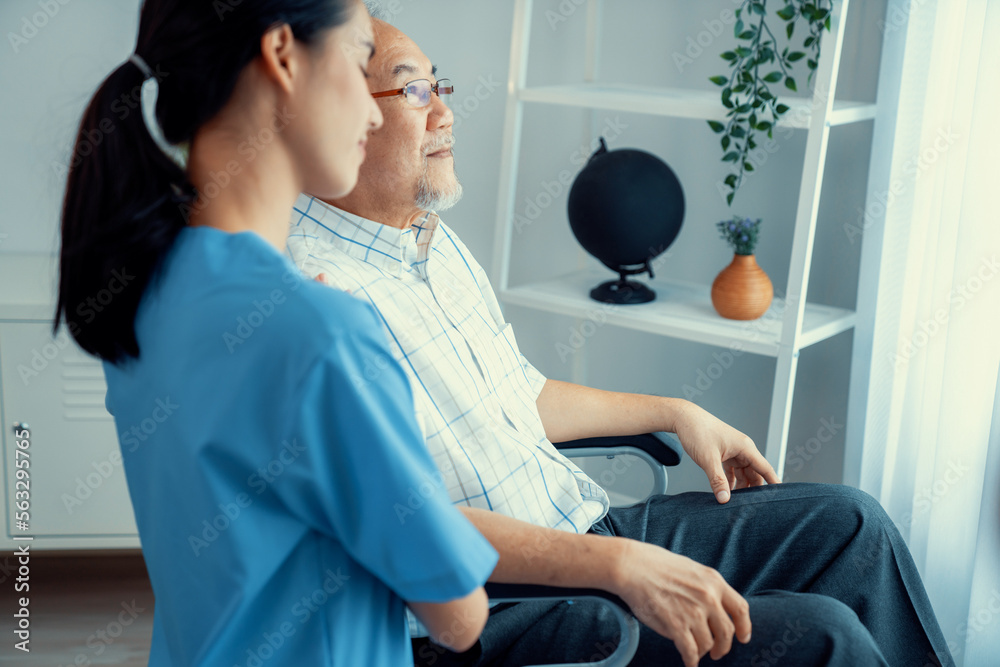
<point>125,199</point>
<point>120,216</point>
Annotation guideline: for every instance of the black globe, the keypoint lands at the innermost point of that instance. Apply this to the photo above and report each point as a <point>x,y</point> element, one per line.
<point>625,208</point>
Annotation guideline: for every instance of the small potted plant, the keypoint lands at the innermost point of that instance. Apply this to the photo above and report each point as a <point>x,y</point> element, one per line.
<point>742,291</point>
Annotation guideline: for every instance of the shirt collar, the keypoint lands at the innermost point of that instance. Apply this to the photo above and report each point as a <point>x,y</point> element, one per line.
<point>388,248</point>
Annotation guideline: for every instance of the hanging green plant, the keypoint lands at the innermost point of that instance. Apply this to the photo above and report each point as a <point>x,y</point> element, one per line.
<point>752,106</point>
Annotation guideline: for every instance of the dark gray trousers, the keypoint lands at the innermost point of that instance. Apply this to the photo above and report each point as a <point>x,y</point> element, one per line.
<point>827,575</point>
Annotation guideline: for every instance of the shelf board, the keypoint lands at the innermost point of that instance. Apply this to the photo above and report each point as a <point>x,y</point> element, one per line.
<point>681,103</point>
<point>681,310</point>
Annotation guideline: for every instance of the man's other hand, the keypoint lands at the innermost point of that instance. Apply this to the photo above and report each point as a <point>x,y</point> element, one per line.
<point>728,457</point>
<point>684,601</point>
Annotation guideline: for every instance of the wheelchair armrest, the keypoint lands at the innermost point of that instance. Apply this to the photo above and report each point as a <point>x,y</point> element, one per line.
<point>520,592</point>
<point>663,447</point>
<point>629,642</point>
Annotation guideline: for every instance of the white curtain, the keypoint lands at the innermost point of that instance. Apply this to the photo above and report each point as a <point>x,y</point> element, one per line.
<point>931,447</point>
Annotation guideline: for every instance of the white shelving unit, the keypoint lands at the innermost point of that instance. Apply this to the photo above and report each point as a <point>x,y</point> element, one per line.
<point>684,310</point>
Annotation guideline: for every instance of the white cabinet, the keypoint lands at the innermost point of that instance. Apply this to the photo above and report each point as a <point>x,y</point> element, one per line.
<point>78,495</point>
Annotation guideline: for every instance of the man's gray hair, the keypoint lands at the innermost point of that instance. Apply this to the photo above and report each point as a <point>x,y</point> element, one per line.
<point>376,10</point>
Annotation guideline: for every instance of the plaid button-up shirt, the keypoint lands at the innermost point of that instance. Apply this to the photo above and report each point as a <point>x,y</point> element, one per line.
<point>474,391</point>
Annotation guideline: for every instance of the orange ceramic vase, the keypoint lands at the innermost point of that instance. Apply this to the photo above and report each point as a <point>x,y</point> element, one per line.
<point>742,291</point>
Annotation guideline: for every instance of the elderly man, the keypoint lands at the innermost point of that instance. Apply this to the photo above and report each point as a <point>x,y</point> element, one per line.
<point>820,571</point>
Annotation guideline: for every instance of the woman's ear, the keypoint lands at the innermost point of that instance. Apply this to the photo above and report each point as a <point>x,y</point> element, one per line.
<point>277,51</point>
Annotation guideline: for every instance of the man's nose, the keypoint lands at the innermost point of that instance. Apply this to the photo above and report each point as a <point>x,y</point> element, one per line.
<point>440,115</point>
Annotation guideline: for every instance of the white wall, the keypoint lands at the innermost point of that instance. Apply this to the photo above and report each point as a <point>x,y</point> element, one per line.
<point>46,84</point>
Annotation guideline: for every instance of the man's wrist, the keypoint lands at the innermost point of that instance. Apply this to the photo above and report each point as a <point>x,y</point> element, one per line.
<point>674,411</point>
<point>617,556</point>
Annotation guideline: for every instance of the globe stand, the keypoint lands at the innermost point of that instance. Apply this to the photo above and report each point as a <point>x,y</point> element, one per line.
<point>625,292</point>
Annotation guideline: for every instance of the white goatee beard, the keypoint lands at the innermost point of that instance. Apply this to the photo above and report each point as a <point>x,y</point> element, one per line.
<point>430,198</point>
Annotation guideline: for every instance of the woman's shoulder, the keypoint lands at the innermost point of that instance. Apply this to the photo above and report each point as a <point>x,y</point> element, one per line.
<point>241,283</point>
<point>336,312</point>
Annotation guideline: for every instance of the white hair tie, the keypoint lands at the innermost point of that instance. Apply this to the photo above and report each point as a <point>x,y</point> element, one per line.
<point>149,92</point>
<point>137,60</point>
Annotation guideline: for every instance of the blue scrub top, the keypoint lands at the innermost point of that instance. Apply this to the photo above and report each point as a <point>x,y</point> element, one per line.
<point>285,500</point>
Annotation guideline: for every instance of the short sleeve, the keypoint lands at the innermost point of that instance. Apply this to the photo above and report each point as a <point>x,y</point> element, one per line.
<point>369,482</point>
<point>536,381</point>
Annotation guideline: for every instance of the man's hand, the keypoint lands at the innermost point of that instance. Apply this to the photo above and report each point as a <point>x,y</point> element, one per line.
<point>672,594</point>
<point>728,457</point>
<point>325,279</point>
<point>682,600</point>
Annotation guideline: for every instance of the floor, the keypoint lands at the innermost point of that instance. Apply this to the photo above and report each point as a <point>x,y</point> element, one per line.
<point>84,610</point>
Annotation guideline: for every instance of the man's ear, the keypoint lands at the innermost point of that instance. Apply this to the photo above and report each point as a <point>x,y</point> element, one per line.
<point>277,48</point>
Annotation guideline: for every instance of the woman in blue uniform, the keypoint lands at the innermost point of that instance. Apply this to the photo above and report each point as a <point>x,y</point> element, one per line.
<point>287,508</point>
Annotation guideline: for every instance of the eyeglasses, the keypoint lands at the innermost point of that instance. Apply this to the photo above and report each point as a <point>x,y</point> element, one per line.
<point>418,93</point>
